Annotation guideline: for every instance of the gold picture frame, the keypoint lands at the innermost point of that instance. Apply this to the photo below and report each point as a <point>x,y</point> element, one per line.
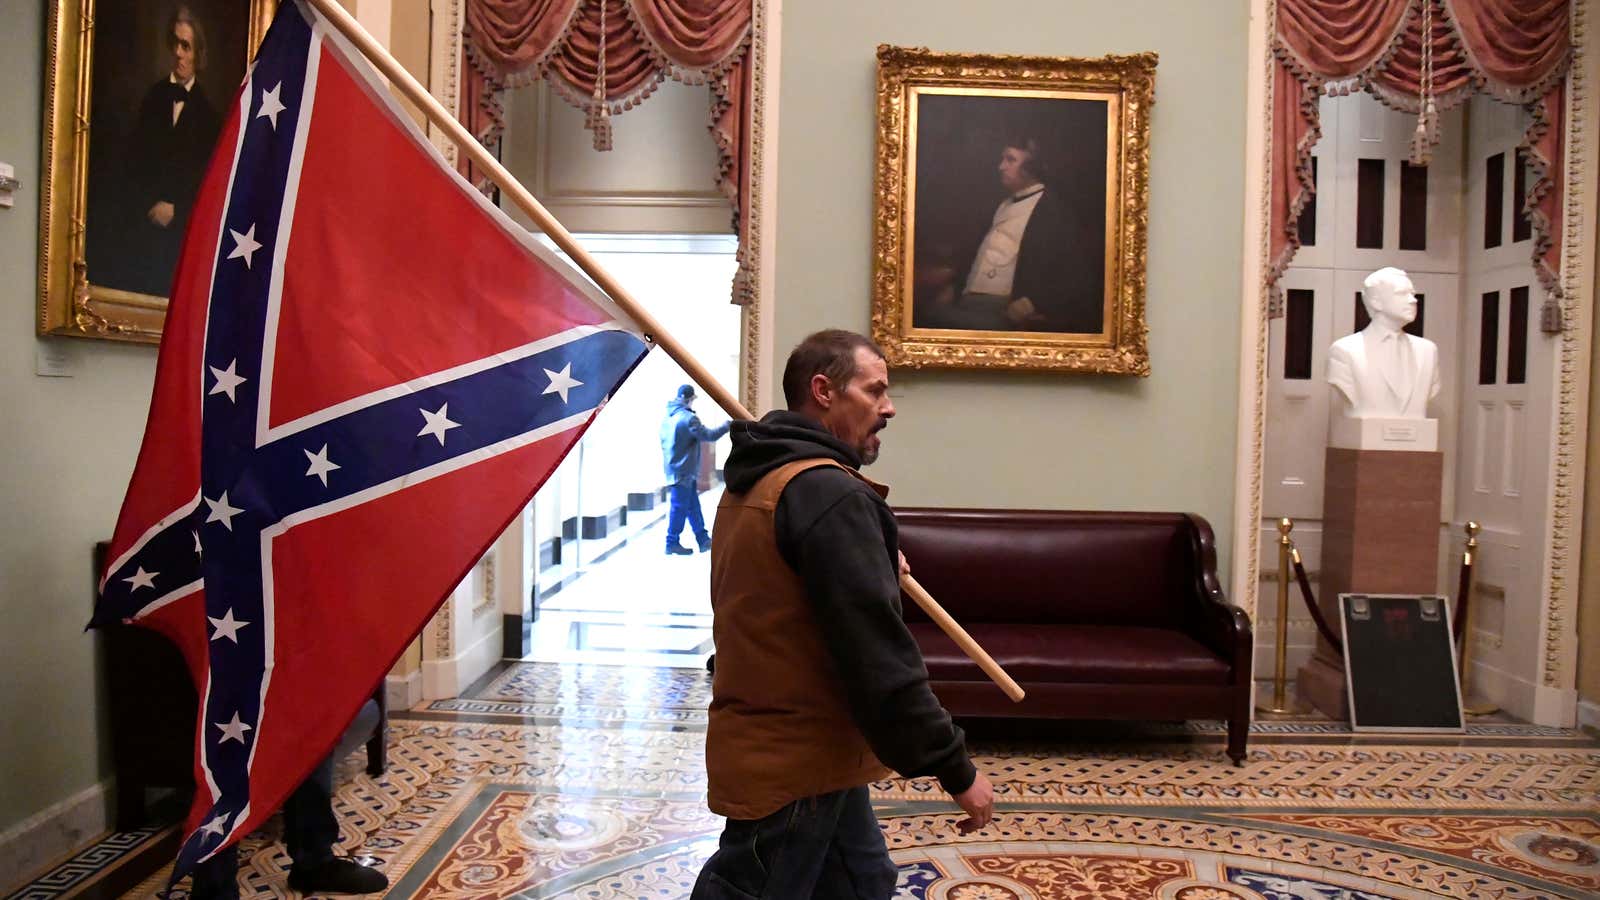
<point>955,197</point>
<point>75,190</point>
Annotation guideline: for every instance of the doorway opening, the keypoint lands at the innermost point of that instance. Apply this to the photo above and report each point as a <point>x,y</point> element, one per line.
<point>605,589</point>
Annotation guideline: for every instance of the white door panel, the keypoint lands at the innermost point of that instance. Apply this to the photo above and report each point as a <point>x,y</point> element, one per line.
<point>1376,132</point>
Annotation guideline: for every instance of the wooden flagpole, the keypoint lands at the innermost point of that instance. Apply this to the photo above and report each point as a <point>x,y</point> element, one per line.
<point>380,57</point>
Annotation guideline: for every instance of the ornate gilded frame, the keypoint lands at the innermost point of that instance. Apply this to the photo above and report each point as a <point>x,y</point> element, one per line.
<point>1127,84</point>
<point>69,303</point>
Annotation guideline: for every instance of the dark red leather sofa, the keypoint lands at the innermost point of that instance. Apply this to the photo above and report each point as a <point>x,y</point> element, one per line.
<point>1098,615</point>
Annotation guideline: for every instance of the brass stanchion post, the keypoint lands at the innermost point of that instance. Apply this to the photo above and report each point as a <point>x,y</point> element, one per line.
<point>1469,563</point>
<point>1280,702</point>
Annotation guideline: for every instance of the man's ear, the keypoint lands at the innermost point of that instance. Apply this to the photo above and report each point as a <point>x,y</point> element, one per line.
<point>821,391</point>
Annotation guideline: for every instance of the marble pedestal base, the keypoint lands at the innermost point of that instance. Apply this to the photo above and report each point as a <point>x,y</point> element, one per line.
<point>1380,535</point>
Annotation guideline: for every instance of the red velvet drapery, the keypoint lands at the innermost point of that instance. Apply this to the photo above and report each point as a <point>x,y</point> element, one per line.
<point>510,43</point>
<point>1515,50</point>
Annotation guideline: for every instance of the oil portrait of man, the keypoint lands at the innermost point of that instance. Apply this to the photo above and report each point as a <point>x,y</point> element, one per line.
<point>1010,202</point>
<point>159,86</point>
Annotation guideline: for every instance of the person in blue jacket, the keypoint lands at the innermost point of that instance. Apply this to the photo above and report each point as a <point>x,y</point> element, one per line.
<point>681,436</point>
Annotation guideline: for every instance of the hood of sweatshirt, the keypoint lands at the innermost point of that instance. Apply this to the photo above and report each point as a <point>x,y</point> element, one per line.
<point>781,437</point>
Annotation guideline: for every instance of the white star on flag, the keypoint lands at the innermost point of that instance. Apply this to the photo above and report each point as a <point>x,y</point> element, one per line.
<point>227,627</point>
<point>271,106</point>
<point>438,423</point>
<point>321,465</point>
<point>221,511</point>
<point>227,380</point>
<point>245,245</point>
<point>197,551</point>
<point>232,731</point>
<point>561,382</point>
<point>142,579</point>
<point>216,826</point>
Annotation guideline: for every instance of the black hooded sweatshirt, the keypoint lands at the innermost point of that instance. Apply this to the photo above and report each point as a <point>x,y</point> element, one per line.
<point>841,538</point>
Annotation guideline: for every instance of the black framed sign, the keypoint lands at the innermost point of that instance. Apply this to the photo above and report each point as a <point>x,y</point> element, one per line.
<point>1400,663</point>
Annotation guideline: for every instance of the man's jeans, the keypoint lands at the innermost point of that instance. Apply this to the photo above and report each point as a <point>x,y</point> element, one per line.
<point>685,502</point>
<point>826,847</point>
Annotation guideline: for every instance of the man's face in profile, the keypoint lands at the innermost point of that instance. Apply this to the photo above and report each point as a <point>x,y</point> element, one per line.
<point>182,45</point>
<point>862,407</point>
<point>1013,173</point>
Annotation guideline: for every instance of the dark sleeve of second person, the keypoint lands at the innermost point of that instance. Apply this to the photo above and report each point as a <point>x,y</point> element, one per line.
<point>835,541</point>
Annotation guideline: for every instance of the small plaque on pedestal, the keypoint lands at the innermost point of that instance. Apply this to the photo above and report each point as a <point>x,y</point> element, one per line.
<point>1384,434</point>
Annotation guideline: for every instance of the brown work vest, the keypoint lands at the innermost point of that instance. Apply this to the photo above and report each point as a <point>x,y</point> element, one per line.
<point>780,726</point>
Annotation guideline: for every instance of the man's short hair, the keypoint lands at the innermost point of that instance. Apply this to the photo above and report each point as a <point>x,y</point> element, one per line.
<point>831,353</point>
<point>186,16</point>
<point>1037,164</point>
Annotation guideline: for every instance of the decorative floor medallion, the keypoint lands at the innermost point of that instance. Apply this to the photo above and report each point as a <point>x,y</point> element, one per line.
<point>1082,856</point>
<point>524,841</point>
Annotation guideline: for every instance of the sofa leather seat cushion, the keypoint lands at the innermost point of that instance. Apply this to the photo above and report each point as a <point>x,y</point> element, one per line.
<point>1074,654</point>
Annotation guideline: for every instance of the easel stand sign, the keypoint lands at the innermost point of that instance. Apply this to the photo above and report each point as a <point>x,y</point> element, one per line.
<point>1400,662</point>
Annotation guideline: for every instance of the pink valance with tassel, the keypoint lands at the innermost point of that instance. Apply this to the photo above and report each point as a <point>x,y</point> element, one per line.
<point>1515,50</point>
<point>605,57</point>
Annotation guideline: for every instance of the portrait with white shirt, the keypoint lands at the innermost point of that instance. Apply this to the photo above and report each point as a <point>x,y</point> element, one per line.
<point>163,73</point>
<point>1011,212</point>
<point>1011,209</point>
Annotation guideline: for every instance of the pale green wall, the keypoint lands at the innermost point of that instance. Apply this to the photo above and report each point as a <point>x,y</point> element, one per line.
<point>66,450</point>
<point>990,439</point>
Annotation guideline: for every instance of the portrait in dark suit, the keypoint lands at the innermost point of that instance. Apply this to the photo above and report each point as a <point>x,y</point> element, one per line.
<point>1011,205</point>
<point>156,114</point>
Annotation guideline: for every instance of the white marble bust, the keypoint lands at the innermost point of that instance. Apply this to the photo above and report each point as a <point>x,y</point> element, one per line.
<point>1380,371</point>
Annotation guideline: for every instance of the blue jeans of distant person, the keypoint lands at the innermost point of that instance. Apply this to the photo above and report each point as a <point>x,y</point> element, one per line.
<point>827,847</point>
<point>685,503</point>
<point>309,830</point>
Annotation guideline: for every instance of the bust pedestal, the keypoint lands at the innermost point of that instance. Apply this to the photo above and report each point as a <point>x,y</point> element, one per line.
<point>1380,534</point>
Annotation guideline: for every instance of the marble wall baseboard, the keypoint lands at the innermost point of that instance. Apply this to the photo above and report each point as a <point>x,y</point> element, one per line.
<point>1589,715</point>
<point>403,691</point>
<point>42,839</point>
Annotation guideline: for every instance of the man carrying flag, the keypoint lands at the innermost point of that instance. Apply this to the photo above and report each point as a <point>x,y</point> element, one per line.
<point>366,371</point>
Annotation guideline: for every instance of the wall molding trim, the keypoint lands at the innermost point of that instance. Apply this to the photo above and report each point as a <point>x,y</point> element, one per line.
<point>757,348</point>
<point>1251,429</point>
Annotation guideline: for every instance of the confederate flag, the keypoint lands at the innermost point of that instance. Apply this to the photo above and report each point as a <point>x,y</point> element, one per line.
<point>367,370</point>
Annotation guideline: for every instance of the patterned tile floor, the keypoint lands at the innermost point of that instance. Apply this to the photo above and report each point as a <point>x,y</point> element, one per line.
<point>587,782</point>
